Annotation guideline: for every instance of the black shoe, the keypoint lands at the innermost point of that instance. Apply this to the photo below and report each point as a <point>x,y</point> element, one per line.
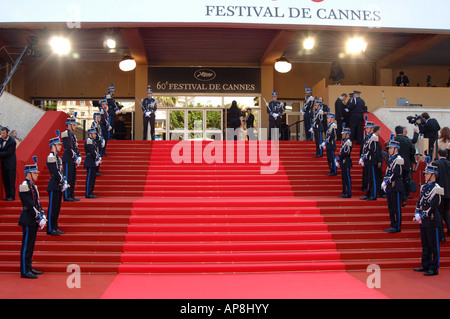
<point>68,200</point>
<point>92,196</point>
<point>35,272</point>
<point>431,273</point>
<point>75,199</point>
<point>53,233</point>
<point>9,199</point>
<point>60,232</point>
<point>421,269</point>
<point>342,196</point>
<point>391,230</point>
<point>371,198</point>
<point>364,198</point>
<point>29,275</point>
<point>98,174</point>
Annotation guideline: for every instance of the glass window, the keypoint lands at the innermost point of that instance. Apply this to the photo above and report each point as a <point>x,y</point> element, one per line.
<point>171,101</point>
<point>204,101</point>
<point>214,120</point>
<point>195,120</point>
<point>243,102</point>
<point>177,120</point>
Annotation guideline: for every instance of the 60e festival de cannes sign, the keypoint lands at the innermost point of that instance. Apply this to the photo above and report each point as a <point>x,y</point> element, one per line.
<point>204,80</point>
<point>401,14</point>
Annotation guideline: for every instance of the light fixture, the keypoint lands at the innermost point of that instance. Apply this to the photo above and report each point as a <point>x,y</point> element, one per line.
<point>111,43</point>
<point>283,65</point>
<point>60,45</point>
<point>308,44</point>
<point>356,45</point>
<point>127,64</point>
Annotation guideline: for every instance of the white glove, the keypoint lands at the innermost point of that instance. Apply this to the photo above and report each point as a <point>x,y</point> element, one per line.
<point>337,163</point>
<point>323,145</point>
<point>42,223</point>
<point>383,186</point>
<point>311,130</point>
<point>417,218</point>
<point>103,142</point>
<point>302,112</point>
<point>109,128</point>
<point>78,162</point>
<point>65,186</point>
<point>361,161</point>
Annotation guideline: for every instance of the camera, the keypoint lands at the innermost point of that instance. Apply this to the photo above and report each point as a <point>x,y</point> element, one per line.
<point>413,119</point>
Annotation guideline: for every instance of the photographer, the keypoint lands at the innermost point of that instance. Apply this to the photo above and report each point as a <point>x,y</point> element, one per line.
<point>407,152</point>
<point>430,129</point>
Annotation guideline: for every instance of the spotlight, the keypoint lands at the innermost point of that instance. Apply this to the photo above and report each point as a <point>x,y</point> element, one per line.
<point>111,43</point>
<point>60,45</point>
<point>356,45</point>
<point>308,44</point>
<point>283,65</point>
<point>127,64</point>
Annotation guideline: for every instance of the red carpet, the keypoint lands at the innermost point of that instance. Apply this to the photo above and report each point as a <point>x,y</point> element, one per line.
<point>158,217</point>
<point>396,284</point>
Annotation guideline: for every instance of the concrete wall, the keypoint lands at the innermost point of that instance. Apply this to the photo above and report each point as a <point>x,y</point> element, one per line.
<point>18,115</point>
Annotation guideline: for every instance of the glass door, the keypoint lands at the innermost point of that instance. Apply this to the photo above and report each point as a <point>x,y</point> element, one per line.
<point>177,119</point>
<point>214,120</point>
<point>195,124</point>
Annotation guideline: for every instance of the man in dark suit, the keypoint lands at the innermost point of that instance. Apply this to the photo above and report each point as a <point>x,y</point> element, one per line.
<point>339,108</point>
<point>407,152</point>
<point>8,160</point>
<point>443,179</point>
<point>357,107</point>
<point>250,124</point>
<point>430,129</point>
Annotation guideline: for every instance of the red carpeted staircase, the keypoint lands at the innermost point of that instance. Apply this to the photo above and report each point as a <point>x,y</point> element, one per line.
<point>156,216</point>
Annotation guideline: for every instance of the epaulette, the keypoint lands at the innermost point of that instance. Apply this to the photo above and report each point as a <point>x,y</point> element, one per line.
<point>399,160</point>
<point>64,134</point>
<point>439,190</point>
<point>334,126</point>
<point>348,143</point>
<point>24,187</point>
<point>89,141</point>
<point>51,158</point>
<point>374,138</point>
